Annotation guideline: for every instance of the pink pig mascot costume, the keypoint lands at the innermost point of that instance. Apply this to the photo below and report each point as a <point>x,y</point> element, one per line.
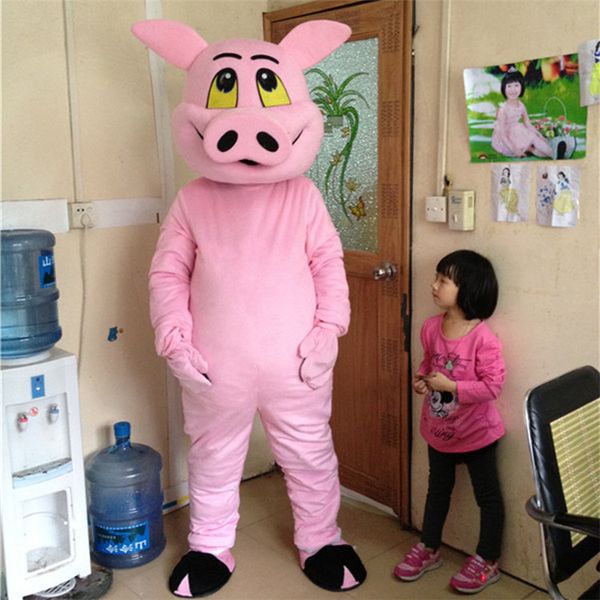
<point>248,293</point>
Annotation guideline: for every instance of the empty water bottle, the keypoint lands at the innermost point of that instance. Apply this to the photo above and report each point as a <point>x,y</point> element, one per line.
<point>29,308</point>
<point>125,502</point>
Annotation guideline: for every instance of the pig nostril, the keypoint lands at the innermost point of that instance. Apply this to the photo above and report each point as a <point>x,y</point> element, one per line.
<point>227,141</point>
<point>267,141</point>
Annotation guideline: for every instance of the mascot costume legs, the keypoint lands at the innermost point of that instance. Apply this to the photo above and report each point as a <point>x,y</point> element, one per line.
<point>248,293</point>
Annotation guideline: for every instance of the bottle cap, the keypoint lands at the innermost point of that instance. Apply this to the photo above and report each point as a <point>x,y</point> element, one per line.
<point>122,429</point>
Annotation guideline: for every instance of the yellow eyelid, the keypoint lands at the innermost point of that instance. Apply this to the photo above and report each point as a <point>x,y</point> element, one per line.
<point>219,99</point>
<point>276,97</point>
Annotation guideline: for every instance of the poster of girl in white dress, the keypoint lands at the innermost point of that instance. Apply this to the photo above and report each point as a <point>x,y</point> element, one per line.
<point>557,196</point>
<point>510,192</point>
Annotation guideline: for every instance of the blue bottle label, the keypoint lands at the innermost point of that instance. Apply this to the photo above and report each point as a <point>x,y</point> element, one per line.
<point>122,540</point>
<point>46,266</point>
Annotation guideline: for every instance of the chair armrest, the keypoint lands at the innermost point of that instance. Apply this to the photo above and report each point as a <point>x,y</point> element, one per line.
<point>578,523</point>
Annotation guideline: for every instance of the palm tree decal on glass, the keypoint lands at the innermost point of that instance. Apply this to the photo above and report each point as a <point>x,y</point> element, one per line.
<point>336,103</point>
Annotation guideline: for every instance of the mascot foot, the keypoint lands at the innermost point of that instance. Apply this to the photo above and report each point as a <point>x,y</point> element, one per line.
<point>336,568</point>
<point>200,574</point>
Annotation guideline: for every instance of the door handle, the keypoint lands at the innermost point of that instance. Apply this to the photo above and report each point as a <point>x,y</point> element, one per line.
<point>387,272</point>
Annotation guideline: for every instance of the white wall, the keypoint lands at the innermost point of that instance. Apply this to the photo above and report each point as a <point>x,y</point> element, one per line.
<point>79,125</point>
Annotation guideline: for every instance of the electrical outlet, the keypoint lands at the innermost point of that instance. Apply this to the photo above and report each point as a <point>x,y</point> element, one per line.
<point>82,215</point>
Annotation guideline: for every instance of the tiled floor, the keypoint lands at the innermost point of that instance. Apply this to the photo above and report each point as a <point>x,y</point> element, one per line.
<point>267,567</point>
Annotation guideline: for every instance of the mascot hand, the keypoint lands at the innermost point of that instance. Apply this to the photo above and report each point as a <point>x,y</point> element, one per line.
<point>189,367</point>
<point>319,350</point>
<point>183,359</point>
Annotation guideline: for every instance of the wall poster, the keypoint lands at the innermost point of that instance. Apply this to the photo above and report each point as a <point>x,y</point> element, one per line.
<point>557,196</point>
<point>589,72</point>
<point>528,110</point>
<point>510,192</point>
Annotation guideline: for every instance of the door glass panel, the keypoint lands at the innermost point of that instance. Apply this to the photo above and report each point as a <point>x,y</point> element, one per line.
<point>344,86</point>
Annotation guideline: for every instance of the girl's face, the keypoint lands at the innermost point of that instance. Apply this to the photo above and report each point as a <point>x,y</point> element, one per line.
<point>444,291</point>
<point>513,90</point>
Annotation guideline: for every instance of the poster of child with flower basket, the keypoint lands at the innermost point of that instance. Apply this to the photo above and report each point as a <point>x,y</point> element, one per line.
<point>528,110</point>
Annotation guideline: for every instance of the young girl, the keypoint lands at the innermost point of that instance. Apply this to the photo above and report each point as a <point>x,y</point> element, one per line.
<point>461,375</point>
<point>514,135</point>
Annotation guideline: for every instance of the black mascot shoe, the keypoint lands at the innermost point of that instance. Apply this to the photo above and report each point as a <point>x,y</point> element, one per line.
<point>335,568</point>
<point>198,574</point>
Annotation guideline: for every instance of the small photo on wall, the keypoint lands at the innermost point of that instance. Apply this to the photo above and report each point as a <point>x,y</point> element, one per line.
<point>510,192</point>
<point>589,72</point>
<point>557,196</point>
<point>526,111</point>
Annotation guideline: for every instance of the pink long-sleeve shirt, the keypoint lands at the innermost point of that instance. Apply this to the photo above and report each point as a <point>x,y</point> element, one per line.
<point>469,419</point>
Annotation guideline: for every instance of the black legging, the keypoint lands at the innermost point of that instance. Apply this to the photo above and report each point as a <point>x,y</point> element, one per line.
<point>484,477</point>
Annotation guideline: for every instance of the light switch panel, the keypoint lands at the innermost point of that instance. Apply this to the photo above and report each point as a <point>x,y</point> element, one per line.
<point>435,209</point>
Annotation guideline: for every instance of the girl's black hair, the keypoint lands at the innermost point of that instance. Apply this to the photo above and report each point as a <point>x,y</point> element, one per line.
<point>476,280</point>
<point>509,77</point>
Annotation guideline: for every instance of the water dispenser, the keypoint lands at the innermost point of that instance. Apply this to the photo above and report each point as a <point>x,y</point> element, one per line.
<point>45,543</point>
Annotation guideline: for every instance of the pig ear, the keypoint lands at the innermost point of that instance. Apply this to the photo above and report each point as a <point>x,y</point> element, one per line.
<point>311,41</point>
<point>177,43</point>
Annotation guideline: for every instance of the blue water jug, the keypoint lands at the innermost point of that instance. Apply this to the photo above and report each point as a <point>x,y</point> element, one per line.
<point>29,308</point>
<point>124,502</point>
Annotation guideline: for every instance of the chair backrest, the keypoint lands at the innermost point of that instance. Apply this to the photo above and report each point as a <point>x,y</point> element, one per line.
<point>563,425</point>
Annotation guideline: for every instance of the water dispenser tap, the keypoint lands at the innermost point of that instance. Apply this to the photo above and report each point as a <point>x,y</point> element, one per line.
<point>22,421</point>
<point>53,413</point>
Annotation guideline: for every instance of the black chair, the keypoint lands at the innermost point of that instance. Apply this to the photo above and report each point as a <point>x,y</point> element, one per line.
<point>563,427</point>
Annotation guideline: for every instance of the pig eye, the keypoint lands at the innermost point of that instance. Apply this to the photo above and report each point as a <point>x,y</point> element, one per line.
<point>272,91</point>
<point>223,90</point>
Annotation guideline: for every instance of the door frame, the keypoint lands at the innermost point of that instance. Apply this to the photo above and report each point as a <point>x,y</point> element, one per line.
<point>394,193</point>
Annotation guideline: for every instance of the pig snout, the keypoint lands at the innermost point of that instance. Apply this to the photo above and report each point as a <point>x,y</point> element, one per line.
<point>248,138</point>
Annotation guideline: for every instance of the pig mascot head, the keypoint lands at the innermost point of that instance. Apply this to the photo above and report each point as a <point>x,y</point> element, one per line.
<point>265,244</point>
<point>246,114</point>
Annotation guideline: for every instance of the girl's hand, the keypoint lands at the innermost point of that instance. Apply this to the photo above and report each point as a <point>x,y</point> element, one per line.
<point>419,385</point>
<point>440,383</point>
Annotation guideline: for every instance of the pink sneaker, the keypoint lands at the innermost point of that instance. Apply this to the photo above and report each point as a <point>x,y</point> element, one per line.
<point>475,575</point>
<point>417,561</point>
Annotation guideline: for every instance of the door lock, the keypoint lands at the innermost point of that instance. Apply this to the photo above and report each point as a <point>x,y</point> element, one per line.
<point>387,272</point>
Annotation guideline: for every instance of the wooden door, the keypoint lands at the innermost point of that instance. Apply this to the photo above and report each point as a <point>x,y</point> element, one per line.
<point>370,205</point>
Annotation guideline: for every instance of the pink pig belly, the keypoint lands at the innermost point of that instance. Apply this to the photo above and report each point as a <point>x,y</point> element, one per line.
<point>250,318</point>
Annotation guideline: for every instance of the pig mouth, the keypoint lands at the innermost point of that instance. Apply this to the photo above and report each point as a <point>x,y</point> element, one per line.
<point>253,163</point>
